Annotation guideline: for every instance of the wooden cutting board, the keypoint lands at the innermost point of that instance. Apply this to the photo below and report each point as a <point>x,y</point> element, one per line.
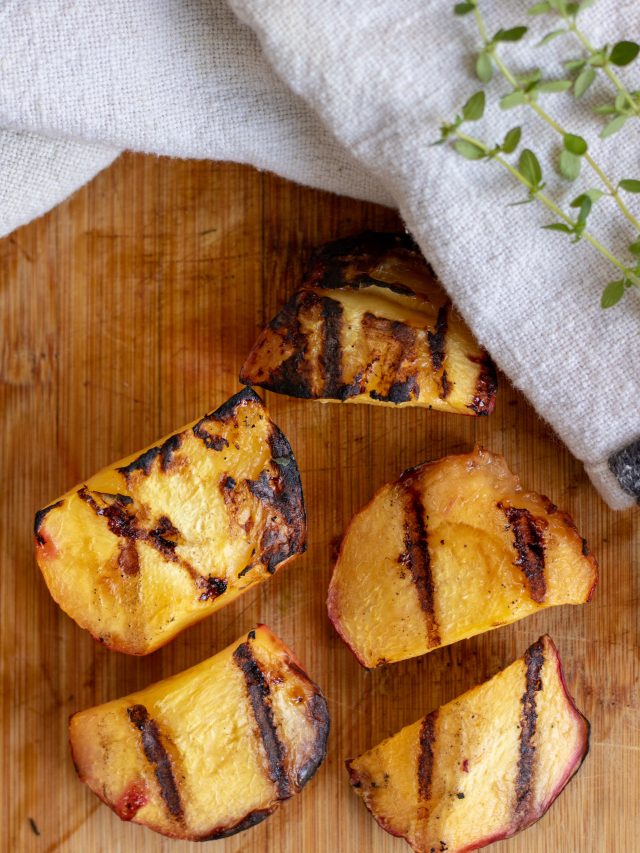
<point>126,313</point>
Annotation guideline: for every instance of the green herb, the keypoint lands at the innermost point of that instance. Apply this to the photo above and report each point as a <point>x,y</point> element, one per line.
<point>621,54</point>
<point>525,91</point>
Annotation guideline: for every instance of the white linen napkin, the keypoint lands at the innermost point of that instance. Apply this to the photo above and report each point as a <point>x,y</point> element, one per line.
<point>348,96</point>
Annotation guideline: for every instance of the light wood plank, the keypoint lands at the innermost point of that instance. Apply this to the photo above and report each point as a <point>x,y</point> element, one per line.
<point>127,312</point>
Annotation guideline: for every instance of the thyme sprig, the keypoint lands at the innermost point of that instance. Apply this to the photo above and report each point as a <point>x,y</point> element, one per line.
<point>529,173</point>
<point>605,59</point>
<point>525,90</point>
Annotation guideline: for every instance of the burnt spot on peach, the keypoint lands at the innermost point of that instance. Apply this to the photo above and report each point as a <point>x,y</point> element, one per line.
<point>446,385</point>
<point>293,373</point>
<point>167,449</point>
<point>279,541</point>
<point>484,399</point>
<point>228,411</point>
<point>212,442</point>
<point>317,711</point>
<point>393,344</point>
<point>399,392</point>
<point>211,588</point>
<point>143,463</point>
<point>40,516</point>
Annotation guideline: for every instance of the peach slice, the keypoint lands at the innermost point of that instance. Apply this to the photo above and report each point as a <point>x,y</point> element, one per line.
<point>452,549</point>
<point>484,766</point>
<point>371,325</point>
<point>165,537</point>
<point>211,751</point>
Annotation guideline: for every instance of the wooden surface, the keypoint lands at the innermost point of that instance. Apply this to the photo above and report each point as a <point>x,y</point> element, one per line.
<point>127,312</point>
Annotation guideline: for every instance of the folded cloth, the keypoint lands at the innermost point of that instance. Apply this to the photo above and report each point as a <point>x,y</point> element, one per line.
<point>348,96</point>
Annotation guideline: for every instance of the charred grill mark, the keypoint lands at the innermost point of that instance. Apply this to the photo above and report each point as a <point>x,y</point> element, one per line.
<point>331,356</point>
<point>284,333</point>
<point>534,661</point>
<point>336,278</point>
<point>260,699</point>
<point>401,389</point>
<point>425,757</point>
<point>405,335</point>
<point>40,517</point>
<point>399,392</point>
<point>113,509</point>
<point>211,442</point>
<point>438,346</point>
<point>156,754</point>
<point>417,559</point>
<point>166,526</point>
<point>346,391</point>
<point>279,541</point>
<point>528,540</point>
<point>252,819</point>
<point>282,492</point>
<point>437,339</point>
<point>160,538</point>
<point>144,462</point>
<point>484,400</point>
<point>164,537</point>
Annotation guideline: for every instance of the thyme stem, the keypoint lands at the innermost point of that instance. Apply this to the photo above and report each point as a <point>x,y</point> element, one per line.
<point>550,205</point>
<point>608,70</point>
<point>510,78</point>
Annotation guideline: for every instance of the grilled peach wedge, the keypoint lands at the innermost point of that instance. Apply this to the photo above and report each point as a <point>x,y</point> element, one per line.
<point>371,325</point>
<point>169,535</point>
<point>211,751</point>
<point>452,549</point>
<point>484,766</point>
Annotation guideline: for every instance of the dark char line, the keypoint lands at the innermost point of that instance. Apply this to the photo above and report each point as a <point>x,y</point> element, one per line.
<point>156,754</point>
<point>528,540</point>
<point>425,757</point>
<point>260,698</point>
<point>534,661</point>
<point>417,558</point>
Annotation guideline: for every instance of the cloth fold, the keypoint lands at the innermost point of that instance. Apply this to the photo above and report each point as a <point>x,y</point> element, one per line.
<point>349,97</point>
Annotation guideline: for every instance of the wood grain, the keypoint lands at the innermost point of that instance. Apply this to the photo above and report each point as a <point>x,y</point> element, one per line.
<point>127,312</point>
